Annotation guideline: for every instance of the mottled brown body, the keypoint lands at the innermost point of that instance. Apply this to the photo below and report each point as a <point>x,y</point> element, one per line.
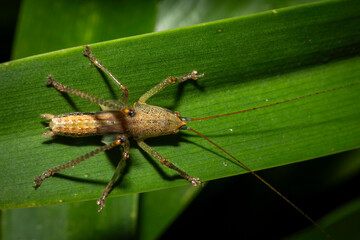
<point>117,122</point>
<point>152,121</point>
<point>149,121</point>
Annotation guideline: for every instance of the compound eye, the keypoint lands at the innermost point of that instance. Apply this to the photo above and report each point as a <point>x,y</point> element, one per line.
<point>122,139</point>
<point>132,113</point>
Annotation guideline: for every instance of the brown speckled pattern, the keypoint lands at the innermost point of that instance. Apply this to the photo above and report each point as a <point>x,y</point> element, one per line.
<point>149,121</point>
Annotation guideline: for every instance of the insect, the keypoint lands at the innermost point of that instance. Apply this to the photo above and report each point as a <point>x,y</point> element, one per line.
<point>117,122</point>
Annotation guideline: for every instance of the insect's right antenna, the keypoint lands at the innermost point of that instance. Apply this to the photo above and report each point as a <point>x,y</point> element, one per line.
<point>272,104</point>
<point>265,182</point>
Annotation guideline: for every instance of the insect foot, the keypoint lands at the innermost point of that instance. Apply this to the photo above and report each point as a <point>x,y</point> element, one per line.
<point>193,75</point>
<point>50,80</point>
<point>195,181</point>
<point>39,179</point>
<point>87,52</point>
<point>101,202</point>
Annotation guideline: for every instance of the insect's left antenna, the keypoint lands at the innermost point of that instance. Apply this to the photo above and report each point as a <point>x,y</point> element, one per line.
<point>272,104</point>
<point>265,182</point>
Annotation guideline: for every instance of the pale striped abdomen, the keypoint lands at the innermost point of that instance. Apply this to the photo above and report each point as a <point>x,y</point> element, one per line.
<point>83,124</point>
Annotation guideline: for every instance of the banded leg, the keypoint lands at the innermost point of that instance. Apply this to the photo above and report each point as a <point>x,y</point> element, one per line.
<point>89,54</point>
<point>126,153</point>
<point>164,161</point>
<point>50,172</point>
<point>170,80</point>
<point>62,88</point>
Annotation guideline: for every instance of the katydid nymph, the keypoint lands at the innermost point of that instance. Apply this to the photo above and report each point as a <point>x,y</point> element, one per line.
<point>117,122</point>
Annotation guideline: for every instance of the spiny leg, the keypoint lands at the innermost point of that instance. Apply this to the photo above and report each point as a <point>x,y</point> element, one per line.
<point>126,153</point>
<point>62,88</point>
<point>164,161</point>
<point>50,172</point>
<point>89,54</point>
<point>168,81</point>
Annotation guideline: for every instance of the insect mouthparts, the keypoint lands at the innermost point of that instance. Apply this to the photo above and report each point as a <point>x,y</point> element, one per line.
<point>184,127</point>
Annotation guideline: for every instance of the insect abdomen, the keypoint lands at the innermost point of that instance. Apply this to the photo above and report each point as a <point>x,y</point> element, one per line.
<point>82,124</point>
<point>72,124</point>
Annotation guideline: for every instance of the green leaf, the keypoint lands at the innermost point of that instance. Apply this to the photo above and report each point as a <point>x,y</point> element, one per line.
<point>174,13</point>
<point>47,25</point>
<point>73,221</point>
<point>273,55</point>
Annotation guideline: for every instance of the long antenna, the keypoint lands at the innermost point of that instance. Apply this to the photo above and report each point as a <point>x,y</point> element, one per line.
<point>272,104</point>
<point>247,168</point>
<point>266,183</point>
